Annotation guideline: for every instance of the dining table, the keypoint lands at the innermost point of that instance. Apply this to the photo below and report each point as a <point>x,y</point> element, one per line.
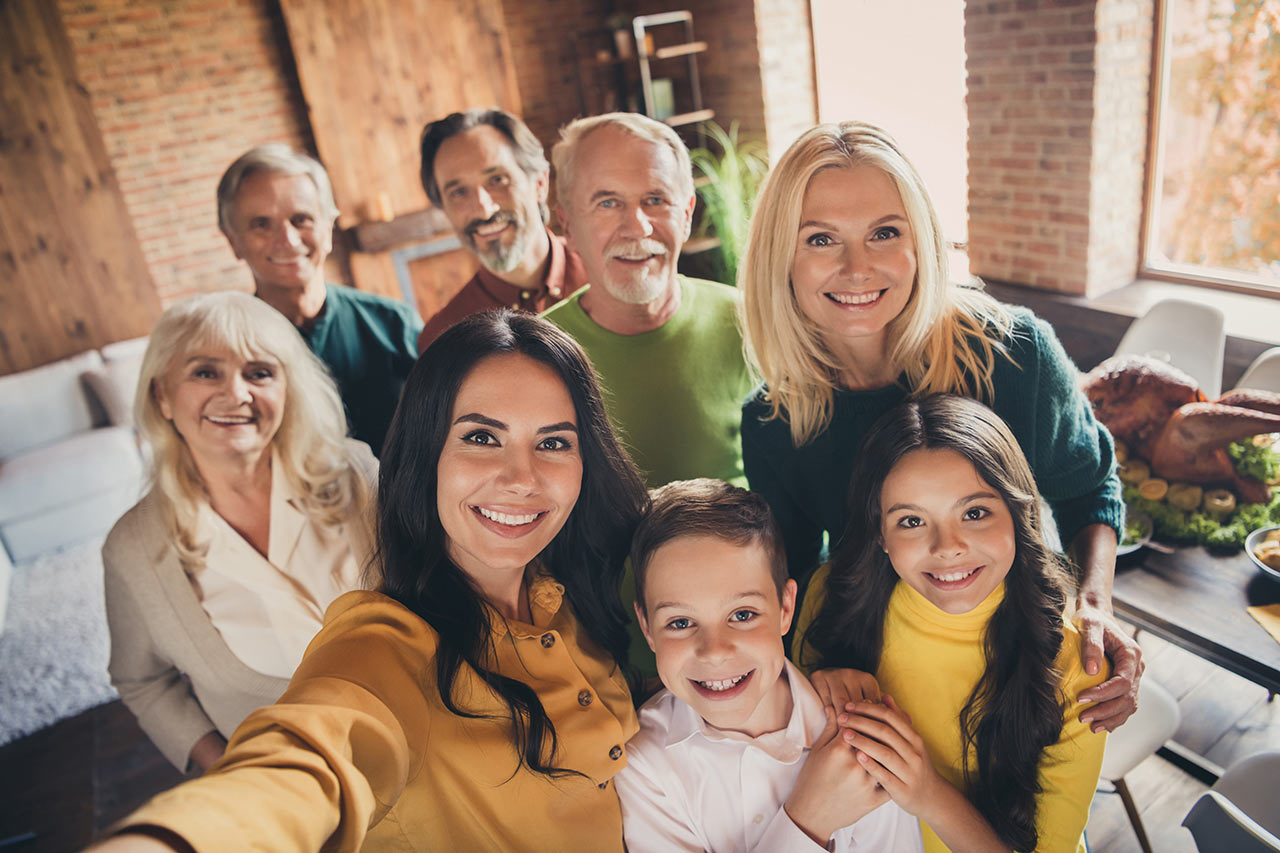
<point>1196,599</point>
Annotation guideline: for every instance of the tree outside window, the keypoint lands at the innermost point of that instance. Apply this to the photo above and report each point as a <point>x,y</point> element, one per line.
<point>1214,206</point>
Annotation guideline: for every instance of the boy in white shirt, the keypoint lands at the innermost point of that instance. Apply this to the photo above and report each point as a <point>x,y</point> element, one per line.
<point>737,753</point>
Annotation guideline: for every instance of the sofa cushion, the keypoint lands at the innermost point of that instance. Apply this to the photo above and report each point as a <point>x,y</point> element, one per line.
<point>45,404</point>
<point>115,383</point>
<point>93,515</point>
<point>98,460</point>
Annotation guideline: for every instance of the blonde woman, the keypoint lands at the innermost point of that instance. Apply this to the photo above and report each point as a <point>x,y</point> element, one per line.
<point>260,515</point>
<point>849,310</point>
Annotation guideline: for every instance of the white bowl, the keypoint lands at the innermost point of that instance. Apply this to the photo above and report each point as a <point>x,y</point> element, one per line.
<point>1251,542</point>
<point>1147,526</point>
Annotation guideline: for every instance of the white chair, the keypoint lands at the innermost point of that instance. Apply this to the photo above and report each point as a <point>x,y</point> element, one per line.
<point>1151,725</point>
<point>1188,335</point>
<point>1264,373</point>
<point>1241,812</point>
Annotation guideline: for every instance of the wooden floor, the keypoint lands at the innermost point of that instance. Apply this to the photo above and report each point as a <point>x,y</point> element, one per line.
<point>1224,718</point>
<point>61,786</point>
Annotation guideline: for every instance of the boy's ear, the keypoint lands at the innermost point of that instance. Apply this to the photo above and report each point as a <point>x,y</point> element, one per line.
<point>788,604</point>
<point>644,624</point>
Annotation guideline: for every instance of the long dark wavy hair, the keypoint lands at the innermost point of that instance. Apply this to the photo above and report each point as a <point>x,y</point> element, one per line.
<point>1015,710</point>
<point>586,556</point>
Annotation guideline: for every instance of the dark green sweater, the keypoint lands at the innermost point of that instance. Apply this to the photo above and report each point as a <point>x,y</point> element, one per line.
<point>369,344</point>
<point>1071,454</point>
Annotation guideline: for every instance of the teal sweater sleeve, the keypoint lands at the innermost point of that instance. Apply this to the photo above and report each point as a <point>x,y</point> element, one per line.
<point>1070,451</point>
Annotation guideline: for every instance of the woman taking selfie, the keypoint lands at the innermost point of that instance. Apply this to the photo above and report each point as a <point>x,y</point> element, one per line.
<point>260,516</point>
<point>477,701</point>
<point>848,310</point>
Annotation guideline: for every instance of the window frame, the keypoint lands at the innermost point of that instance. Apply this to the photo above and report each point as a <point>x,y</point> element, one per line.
<point>1237,281</point>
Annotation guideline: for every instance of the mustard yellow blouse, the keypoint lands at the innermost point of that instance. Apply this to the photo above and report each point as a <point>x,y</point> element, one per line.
<point>360,753</point>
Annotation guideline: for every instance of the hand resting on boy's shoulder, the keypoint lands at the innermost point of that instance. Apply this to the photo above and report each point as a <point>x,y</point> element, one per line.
<point>837,687</point>
<point>832,790</point>
<point>894,755</point>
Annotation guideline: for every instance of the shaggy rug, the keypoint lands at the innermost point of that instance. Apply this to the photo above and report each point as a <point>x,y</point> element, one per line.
<point>53,652</point>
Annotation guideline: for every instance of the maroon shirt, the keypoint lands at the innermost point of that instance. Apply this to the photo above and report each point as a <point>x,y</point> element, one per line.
<point>565,274</point>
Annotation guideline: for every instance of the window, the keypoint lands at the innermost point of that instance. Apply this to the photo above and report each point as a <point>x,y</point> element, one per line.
<point>1213,211</point>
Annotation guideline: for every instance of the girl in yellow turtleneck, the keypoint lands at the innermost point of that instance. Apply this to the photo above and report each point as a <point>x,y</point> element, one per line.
<point>942,587</point>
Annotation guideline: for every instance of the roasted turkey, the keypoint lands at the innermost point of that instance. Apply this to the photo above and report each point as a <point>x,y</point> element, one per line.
<point>1163,416</point>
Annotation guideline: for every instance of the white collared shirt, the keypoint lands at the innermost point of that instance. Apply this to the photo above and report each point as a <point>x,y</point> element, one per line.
<point>690,786</point>
<point>267,609</point>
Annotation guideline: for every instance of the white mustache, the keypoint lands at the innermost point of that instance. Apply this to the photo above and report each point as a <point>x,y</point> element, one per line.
<point>633,248</point>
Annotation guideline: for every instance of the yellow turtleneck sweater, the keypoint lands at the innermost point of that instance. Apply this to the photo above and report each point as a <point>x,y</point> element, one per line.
<point>930,664</point>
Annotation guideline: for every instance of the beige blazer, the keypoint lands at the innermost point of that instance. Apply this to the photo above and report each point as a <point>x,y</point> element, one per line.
<point>168,662</point>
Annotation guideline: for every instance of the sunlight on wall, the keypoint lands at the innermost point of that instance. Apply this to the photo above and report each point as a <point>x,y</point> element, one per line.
<point>901,65</point>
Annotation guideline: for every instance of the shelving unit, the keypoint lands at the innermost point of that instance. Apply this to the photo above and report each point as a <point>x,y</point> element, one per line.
<point>617,73</point>
<point>643,27</point>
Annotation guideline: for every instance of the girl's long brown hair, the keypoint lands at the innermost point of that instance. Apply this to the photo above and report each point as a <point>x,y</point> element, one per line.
<point>1016,709</point>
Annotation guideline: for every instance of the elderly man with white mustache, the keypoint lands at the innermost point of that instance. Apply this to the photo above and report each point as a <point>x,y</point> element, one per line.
<point>667,347</point>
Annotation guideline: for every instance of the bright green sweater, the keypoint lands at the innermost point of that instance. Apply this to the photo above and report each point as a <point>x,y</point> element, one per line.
<point>674,394</point>
<point>1071,454</point>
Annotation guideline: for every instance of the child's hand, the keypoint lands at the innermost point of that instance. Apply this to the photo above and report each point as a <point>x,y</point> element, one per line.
<point>892,753</point>
<point>839,687</point>
<point>832,791</point>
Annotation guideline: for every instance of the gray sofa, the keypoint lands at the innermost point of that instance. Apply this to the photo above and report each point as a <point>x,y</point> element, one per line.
<point>69,459</point>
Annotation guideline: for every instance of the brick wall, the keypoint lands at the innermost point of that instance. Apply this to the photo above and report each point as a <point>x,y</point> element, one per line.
<point>541,48</point>
<point>1057,132</point>
<point>1122,65</point>
<point>179,90</point>
<point>786,70</point>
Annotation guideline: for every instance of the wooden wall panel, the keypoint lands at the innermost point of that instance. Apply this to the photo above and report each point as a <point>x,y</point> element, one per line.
<point>72,274</point>
<point>438,278</point>
<point>373,72</point>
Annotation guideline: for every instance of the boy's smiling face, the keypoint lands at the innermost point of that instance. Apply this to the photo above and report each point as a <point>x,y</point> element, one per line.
<point>715,622</point>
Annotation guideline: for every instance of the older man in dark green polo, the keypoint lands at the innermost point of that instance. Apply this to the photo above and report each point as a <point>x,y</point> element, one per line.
<point>276,208</point>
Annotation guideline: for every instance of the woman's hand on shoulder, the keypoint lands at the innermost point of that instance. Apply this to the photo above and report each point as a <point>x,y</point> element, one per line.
<point>1117,697</point>
<point>838,687</point>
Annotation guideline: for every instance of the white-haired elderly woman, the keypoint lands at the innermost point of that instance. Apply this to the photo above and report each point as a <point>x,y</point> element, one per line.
<point>260,515</point>
<point>848,309</point>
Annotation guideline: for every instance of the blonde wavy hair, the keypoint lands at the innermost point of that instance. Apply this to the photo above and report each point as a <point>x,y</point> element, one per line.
<point>309,444</point>
<point>947,335</point>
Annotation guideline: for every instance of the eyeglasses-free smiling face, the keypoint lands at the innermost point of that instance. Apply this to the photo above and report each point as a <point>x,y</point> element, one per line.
<point>223,404</point>
<point>510,471</point>
<point>948,533</point>
<point>855,262</point>
<point>279,228</point>
<point>715,624</point>
<point>627,216</point>
<point>490,201</point>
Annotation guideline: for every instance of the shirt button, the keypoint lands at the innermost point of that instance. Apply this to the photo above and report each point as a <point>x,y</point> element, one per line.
<point>524,294</point>
<point>548,640</point>
<point>585,698</point>
<point>616,752</point>
<point>758,819</point>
